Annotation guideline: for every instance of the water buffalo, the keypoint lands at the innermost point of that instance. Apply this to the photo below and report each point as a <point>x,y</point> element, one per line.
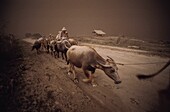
<point>52,47</point>
<point>89,60</point>
<point>36,45</point>
<point>60,46</point>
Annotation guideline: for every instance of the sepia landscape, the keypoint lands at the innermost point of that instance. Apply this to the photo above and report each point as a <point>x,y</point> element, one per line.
<point>124,68</point>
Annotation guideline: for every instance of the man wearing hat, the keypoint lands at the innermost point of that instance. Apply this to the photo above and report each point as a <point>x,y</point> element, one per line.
<point>64,33</point>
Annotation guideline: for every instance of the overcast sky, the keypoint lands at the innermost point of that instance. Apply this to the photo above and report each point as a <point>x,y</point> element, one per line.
<point>144,19</point>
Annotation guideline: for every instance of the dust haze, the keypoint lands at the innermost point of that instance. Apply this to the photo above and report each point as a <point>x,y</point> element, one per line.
<point>146,19</point>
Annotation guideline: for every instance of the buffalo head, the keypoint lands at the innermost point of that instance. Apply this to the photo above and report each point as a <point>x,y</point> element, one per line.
<point>111,70</point>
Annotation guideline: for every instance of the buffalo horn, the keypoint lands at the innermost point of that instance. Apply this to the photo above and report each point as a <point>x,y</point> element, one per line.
<point>105,66</point>
<point>110,58</point>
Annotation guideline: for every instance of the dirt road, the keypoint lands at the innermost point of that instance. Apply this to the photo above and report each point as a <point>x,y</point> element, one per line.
<point>46,78</point>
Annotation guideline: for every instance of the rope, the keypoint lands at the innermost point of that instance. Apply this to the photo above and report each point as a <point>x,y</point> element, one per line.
<point>140,63</point>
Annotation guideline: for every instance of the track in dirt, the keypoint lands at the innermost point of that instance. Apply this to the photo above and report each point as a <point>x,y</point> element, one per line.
<point>49,77</point>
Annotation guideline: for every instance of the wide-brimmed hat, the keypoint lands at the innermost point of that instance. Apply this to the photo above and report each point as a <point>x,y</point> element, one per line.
<point>63,29</point>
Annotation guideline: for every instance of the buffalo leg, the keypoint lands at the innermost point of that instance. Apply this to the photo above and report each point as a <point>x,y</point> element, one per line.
<point>74,72</point>
<point>62,55</point>
<point>54,54</point>
<point>70,71</point>
<point>65,56</point>
<point>38,51</point>
<point>48,48</point>
<point>87,75</point>
<point>86,72</point>
<point>90,78</point>
<point>58,54</point>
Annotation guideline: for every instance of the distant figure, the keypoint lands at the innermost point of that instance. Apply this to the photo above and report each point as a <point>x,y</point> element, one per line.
<point>64,34</point>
